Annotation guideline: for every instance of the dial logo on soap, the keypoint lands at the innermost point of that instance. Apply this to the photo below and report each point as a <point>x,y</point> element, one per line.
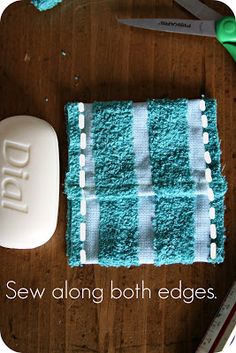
<point>29,182</point>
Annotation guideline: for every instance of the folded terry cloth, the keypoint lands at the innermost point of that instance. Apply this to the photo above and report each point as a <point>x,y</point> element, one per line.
<point>43,5</point>
<point>144,183</point>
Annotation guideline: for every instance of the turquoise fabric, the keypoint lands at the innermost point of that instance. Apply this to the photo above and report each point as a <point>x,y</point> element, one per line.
<point>173,185</point>
<point>43,5</point>
<point>116,186</point>
<point>218,183</point>
<point>115,182</point>
<point>72,188</point>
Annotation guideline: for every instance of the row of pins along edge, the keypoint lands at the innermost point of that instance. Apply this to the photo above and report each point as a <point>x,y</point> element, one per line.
<point>82,179</point>
<point>208,176</point>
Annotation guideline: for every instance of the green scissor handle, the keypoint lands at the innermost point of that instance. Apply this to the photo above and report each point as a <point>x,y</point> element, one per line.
<point>226,34</point>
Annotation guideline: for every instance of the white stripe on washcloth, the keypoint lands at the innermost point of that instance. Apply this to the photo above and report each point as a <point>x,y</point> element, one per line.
<point>91,244</point>
<point>146,202</point>
<point>198,167</point>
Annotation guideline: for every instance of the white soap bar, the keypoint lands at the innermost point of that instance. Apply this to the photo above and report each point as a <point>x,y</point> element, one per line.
<point>29,182</point>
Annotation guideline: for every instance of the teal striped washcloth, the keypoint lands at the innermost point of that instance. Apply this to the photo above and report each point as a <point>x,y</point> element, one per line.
<point>43,5</point>
<point>144,183</point>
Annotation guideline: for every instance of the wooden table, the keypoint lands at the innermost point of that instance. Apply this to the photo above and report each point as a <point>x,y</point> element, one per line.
<point>77,51</point>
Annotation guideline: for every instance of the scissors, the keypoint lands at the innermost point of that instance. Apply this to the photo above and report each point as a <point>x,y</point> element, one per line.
<point>209,24</point>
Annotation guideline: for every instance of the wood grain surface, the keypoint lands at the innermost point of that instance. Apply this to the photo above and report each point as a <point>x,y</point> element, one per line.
<point>77,51</point>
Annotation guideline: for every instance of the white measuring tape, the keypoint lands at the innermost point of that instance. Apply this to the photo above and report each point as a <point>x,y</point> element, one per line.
<point>221,335</point>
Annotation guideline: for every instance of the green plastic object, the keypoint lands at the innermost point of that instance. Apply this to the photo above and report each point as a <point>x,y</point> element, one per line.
<point>226,34</point>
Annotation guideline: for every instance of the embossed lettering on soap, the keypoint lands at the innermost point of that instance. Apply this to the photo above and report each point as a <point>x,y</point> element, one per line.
<point>16,157</point>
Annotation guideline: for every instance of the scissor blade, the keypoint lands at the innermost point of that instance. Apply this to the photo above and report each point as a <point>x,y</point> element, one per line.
<point>199,10</point>
<point>194,27</point>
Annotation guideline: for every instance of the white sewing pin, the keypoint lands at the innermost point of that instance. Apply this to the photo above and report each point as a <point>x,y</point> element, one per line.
<point>81,107</point>
<point>82,256</point>
<point>82,160</point>
<point>211,195</point>
<point>212,212</point>
<point>83,207</point>
<point>204,121</point>
<point>205,137</point>
<point>207,157</point>
<point>208,175</point>
<point>82,231</point>
<point>82,179</point>
<point>213,231</point>
<point>83,141</point>
<point>213,251</point>
<point>81,121</point>
<point>202,105</point>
